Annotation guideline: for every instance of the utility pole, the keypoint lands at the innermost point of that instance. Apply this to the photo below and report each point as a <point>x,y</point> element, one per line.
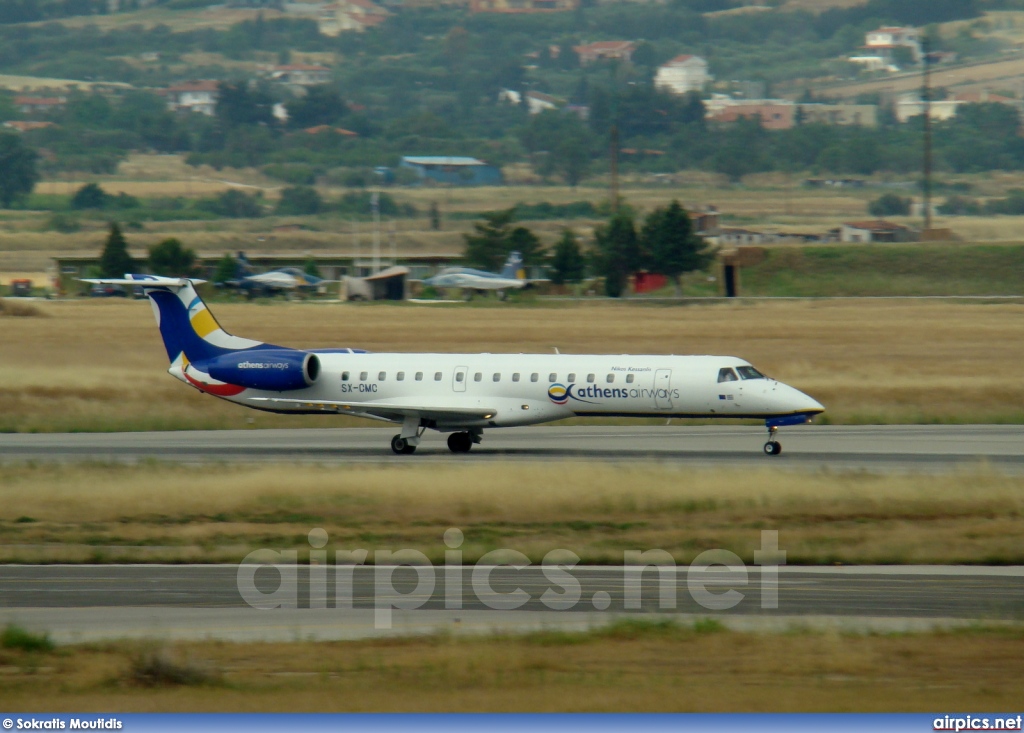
<point>926,96</point>
<point>614,154</point>
<point>375,203</point>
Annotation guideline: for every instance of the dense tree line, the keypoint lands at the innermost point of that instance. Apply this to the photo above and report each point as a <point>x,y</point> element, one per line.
<point>427,82</point>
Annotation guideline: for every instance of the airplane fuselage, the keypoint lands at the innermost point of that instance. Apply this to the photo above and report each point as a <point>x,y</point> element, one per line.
<point>524,389</point>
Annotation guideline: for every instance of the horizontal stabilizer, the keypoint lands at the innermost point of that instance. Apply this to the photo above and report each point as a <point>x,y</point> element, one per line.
<point>146,281</point>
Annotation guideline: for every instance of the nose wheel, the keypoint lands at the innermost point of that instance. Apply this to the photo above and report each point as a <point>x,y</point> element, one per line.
<point>772,447</point>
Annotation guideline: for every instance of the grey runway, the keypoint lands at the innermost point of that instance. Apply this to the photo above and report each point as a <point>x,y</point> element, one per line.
<point>200,601</point>
<point>881,448</point>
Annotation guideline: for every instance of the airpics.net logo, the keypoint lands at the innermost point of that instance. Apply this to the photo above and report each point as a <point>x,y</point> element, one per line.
<point>505,579</point>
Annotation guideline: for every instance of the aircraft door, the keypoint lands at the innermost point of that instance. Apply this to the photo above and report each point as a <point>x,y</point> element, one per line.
<point>663,389</point>
<point>459,379</point>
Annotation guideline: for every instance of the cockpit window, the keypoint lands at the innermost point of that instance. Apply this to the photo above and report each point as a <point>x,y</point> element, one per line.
<point>727,375</point>
<point>748,372</point>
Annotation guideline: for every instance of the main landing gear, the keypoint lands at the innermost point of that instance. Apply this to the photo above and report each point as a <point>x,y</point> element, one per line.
<point>401,446</point>
<point>772,447</point>
<point>463,442</point>
<point>404,444</point>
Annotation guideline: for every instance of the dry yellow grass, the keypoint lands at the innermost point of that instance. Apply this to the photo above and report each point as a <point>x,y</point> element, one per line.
<point>820,6</point>
<point>220,513</point>
<point>218,18</point>
<point>100,365</point>
<point>35,83</point>
<point>1000,73</point>
<point>628,668</point>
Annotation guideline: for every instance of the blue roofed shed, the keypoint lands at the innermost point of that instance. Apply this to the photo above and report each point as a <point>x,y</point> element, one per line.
<point>453,170</point>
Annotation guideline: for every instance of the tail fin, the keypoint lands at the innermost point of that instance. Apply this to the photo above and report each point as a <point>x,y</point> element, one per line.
<point>186,323</point>
<point>512,265</point>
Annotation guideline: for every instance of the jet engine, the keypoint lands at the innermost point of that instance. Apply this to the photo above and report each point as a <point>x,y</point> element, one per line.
<point>274,370</point>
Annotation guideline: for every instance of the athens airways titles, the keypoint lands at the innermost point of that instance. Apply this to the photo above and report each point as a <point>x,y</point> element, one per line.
<point>561,394</point>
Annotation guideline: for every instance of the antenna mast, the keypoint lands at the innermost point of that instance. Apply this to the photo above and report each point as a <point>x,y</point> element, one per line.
<point>926,93</point>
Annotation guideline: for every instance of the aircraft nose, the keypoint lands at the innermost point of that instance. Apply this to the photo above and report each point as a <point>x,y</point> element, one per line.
<point>805,403</point>
<point>791,400</point>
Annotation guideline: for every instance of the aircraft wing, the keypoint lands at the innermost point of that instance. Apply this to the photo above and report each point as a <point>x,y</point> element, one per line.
<point>389,410</point>
<point>474,282</point>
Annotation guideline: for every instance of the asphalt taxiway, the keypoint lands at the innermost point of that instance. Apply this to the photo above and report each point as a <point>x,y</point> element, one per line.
<point>881,448</point>
<point>89,602</point>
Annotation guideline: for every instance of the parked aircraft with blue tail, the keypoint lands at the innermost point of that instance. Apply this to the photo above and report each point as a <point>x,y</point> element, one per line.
<point>472,281</point>
<point>459,394</point>
<point>281,280</point>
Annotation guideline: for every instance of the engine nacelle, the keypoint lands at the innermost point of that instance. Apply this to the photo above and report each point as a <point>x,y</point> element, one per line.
<point>273,371</point>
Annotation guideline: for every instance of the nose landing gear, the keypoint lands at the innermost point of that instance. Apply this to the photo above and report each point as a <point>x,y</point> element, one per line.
<point>774,447</point>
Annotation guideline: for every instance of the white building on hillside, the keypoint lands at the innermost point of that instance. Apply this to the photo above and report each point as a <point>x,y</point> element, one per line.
<point>683,74</point>
<point>911,105</point>
<point>884,40</point>
<point>193,96</point>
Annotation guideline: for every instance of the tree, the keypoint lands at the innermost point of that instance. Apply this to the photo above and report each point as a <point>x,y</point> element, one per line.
<point>170,258</point>
<point>238,105</point>
<point>322,105</point>
<point>233,204</point>
<point>18,174</point>
<point>487,247</point>
<point>526,243</point>
<point>618,252</point>
<point>890,204</point>
<point>435,217</point>
<point>571,158</point>
<point>567,263</point>
<point>671,245</point>
<point>227,268</point>
<point>311,268</point>
<point>115,260</point>
<point>299,201</point>
<point>90,196</point>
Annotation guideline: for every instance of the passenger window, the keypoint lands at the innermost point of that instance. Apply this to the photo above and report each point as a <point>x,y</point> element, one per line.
<point>610,378</point>
<point>419,376</point>
<point>362,376</point>
<point>748,372</point>
<point>497,377</point>
<point>382,376</point>
<point>344,376</point>
<point>727,375</point>
<point>400,376</point>
<point>515,377</point>
<point>572,376</point>
<point>591,378</point>
<point>477,377</point>
<point>629,378</point>
<point>534,377</point>
<point>437,377</point>
<point>552,377</point>
<point>459,376</point>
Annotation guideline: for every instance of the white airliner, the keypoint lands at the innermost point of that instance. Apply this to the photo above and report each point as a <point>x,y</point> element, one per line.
<point>460,394</point>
